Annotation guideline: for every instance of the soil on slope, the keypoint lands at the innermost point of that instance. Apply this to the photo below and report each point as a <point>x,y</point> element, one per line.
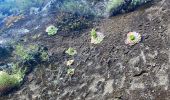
<point>110,70</point>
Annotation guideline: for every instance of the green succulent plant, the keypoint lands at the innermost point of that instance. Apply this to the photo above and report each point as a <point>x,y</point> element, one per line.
<point>70,71</point>
<point>71,51</point>
<point>96,37</point>
<point>51,30</point>
<point>93,33</point>
<point>132,37</point>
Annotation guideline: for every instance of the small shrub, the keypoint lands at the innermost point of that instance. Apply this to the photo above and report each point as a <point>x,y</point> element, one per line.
<point>22,53</point>
<point>44,56</point>
<point>26,53</point>
<point>9,81</point>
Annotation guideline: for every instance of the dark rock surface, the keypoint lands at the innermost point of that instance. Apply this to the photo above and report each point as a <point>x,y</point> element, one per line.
<point>111,70</point>
<point>5,51</point>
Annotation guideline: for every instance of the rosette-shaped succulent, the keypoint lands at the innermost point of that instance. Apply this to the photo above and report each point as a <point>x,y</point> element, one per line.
<point>133,38</point>
<point>71,51</point>
<point>51,30</point>
<point>70,71</point>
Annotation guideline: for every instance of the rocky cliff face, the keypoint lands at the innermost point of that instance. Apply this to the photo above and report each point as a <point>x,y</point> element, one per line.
<point>102,8</point>
<point>94,7</point>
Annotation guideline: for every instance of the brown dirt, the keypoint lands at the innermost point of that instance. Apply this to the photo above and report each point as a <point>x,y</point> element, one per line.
<point>111,70</point>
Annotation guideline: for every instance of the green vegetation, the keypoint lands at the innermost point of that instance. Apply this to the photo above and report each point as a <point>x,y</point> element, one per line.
<point>14,79</point>
<point>132,37</point>
<point>113,4</point>
<point>44,56</point>
<point>93,33</point>
<point>71,51</point>
<point>96,37</point>
<point>18,73</point>
<point>70,71</point>
<point>22,53</point>
<point>51,30</point>
<point>26,53</point>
